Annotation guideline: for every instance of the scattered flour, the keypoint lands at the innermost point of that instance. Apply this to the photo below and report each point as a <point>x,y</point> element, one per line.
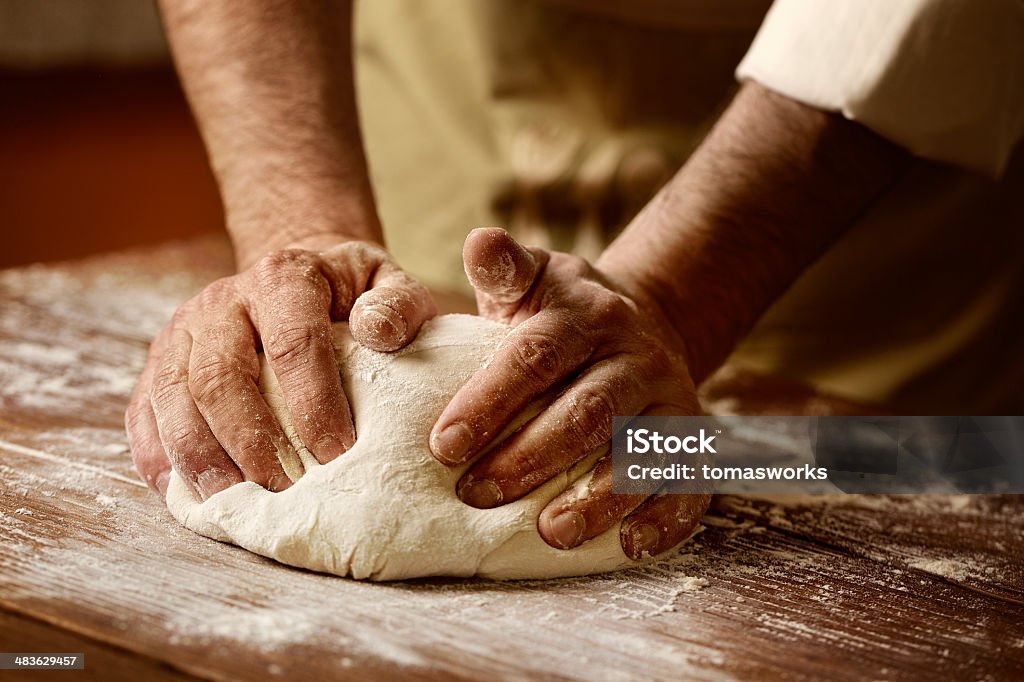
<point>107,501</point>
<point>267,629</point>
<point>947,568</point>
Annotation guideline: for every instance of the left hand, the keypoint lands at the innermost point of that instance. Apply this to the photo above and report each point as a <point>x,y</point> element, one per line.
<point>609,350</point>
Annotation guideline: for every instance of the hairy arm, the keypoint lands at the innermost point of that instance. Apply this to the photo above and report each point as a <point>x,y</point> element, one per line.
<point>271,84</point>
<point>771,188</point>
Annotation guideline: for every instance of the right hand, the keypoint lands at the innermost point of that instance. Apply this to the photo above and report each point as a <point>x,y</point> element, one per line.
<point>197,408</point>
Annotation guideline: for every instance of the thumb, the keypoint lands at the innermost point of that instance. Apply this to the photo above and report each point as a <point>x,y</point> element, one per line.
<point>389,315</point>
<point>500,269</point>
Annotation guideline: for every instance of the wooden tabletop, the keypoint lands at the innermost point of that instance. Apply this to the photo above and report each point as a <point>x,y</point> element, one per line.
<point>859,587</point>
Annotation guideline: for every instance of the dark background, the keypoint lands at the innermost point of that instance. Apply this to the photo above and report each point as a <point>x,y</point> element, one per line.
<point>98,150</point>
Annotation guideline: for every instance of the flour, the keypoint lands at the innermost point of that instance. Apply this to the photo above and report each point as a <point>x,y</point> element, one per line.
<point>386,509</point>
<point>263,628</point>
<point>35,386</point>
<point>106,501</point>
<point>947,568</point>
<point>110,291</point>
<point>75,335</point>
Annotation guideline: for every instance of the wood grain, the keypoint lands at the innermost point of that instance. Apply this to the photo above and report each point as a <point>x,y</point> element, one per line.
<point>19,633</point>
<point>848,588</point>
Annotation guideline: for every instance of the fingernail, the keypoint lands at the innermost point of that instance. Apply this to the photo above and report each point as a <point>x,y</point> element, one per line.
<point>644,539</point>
<point>452,444</point>
<point>566,529</point>
<point>163,479</point>
<point>212,481</point>
<point>279,482</point>
<point>330,448</point>
<point>480,494</point>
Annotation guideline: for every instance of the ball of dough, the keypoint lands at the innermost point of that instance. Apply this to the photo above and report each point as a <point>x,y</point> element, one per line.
<point>386,509</point>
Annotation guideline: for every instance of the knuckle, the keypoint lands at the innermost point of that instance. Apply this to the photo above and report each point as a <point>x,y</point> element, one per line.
<point>356,257</point>
<point>539,357</point>
<point>365,251</point>
<point>256,457</point>
<point>212,379</point>
<point>278,260</point>
<point>220,337</point>
<point>292,283</point>
<point>589,415</point>
<point>183,447</point>
<point>608,310</point>
<point>290,348</point>
<point>167,382</point>
<point>216,294</point>
<point>536,466</point>
<point>288,264</point>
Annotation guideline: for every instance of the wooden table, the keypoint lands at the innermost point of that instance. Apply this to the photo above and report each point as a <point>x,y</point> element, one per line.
<point>843,588</point>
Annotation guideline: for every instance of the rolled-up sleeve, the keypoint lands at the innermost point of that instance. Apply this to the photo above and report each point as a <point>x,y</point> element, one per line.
<point>942,78</point>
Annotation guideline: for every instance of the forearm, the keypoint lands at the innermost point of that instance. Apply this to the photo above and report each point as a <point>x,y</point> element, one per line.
<point>271,84</point>
<point>770,189</point>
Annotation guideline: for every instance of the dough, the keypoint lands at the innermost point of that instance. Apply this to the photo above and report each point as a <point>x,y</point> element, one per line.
<point>386,509</point>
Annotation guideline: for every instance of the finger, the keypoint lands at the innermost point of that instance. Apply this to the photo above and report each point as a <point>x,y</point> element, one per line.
<point>530,360</point>
<point>654,524</point>
<point>385,307</point>
<point>587,509</point>
<point>661,523</point>
<point>148,454</point>
<point>291,308</point>
<point>390,314</point>
<point>668,518</point>
<point>223,371</point>
<point>577,423</point>
<point>500,269</point>
<point>190,445</point>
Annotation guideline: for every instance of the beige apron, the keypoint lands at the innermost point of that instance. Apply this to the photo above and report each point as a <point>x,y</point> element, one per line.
<point>559,120</point>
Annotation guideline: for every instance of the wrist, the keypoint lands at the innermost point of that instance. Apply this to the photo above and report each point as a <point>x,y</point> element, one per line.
<point>683,330</point>
<point>311,222</point>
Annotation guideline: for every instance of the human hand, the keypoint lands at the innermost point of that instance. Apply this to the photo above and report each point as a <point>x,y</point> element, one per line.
<point>609,350</point>
<point>197,407</point>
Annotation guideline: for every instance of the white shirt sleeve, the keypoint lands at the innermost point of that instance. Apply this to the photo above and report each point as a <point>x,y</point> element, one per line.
<point>942,78</point>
